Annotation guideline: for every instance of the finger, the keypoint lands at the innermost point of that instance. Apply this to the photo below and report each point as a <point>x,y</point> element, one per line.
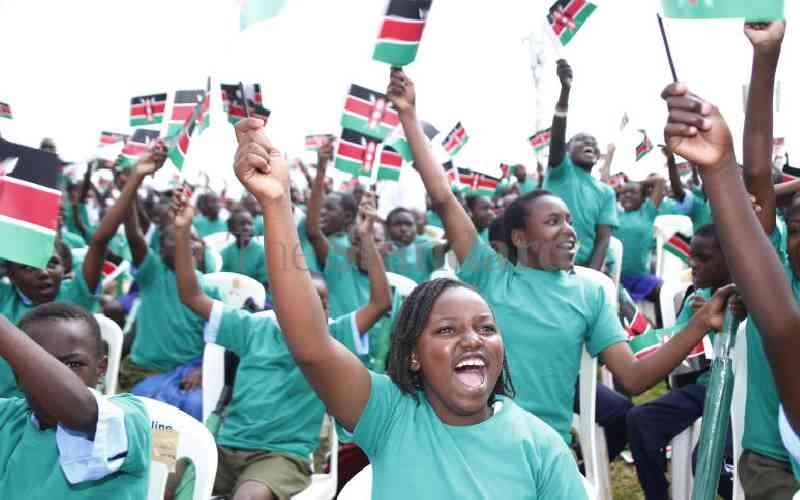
<point>689,118</point>
<point>674,90</point>
<point>253,161</point>
<point>250,148</point>
<point>689,103</point>
<point>674,133</point>
<point>247,128</point>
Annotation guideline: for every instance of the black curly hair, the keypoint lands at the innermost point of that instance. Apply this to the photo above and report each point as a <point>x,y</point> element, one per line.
<point>408,328</point>
<point>515,217</point>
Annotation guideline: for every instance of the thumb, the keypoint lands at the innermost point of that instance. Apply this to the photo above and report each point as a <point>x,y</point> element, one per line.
<point>721,297</point>
<point>249,127</point>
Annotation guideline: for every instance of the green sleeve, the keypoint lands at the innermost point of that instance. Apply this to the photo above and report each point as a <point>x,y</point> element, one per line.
<point>483,267</point>
<point>608,209</point>
<point>137,428</point>
<point>557,475</point>
<point>147,272</point>
<point>11,409</point>
<point>238,327</point>
<point>374,427</point>
<point>605,330</point>
<point>77,292</point>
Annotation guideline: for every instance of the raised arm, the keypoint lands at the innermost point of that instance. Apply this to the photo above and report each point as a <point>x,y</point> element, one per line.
<point>698,132</point>
<point>380,296</point>
<point>189,290</point>
<point>605,169</point>
<point>53,386</point>
<point>757,146</point>
<point>325,362</point>
<point>460,230</point>
<point>558,131</point>
<point>658,187</point>
<point>313,224</point>
<point>678,192</point>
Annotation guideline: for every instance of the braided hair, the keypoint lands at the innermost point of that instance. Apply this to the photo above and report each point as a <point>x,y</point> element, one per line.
<point>411,321</point>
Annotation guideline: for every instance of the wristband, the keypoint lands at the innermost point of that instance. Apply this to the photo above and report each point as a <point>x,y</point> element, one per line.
<point>560,113</point>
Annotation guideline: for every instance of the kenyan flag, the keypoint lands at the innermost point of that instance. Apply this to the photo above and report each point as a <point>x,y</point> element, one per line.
<point>401,31</point>
<point>638,325</point>
<point>455,140</point>
<point>5,110</point>
<point>110,138</point>
<point>678,246</point>
<point>239,107</point>
<point>484,185</point>
<point>29,204</point>
<point>355,153</point>
<point>182,108</point>
<point>452,175</point>
<point>391,161</point>
<point>752,10</point>
<point>368,112</point>
<point>644,147</point>
<point>314,142</point>
<point>647,343</point>
<point>178,150</point>
<point>466,178</point>
<point>148,109</point>
<point>136,147</point>
<point>397,141</point>
<point>540,140</point>
<point>567,16</point>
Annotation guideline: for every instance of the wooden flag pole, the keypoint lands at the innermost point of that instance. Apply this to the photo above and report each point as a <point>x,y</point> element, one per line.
<point>666,47</point>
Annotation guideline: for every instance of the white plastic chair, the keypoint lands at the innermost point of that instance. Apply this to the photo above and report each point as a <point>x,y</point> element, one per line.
<point>218,241</point>
<point>739,404</point>
<point>237,288</point>
<point>323,486</point>
<point>402,284</point>
<point>435,232</point>
<point>616,250</point>
<point>591,436</point>
<point>665,226</point>
<point>216,264</point>
<point>112,334</point>
<point>195,443</point>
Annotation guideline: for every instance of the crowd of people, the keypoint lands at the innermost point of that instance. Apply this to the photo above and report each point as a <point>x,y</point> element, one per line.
<point>464,387</point>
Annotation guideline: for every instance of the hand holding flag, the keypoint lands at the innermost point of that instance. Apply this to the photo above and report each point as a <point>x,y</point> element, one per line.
<point>401,91</point>
<point>259,166</point>
<point>153,159</point>
<point>765,37</point>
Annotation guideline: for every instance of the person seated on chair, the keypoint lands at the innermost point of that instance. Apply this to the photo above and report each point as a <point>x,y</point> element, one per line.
<point>765,268</point>
<point>445,409</point>
<point>653,425</point>
<point>273,422</point>
<point>64,440</point>
<point>165,358</point>
<point>408,257</point>
<point>209,220</point>
<point>244,255</point>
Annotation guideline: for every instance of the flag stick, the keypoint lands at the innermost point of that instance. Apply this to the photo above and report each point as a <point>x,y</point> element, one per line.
<point>376,164</point>
<point>666,47</point>
<point>244,100</point>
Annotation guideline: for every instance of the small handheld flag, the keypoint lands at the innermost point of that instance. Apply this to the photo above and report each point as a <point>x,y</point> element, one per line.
<point>148,109</point>
<point>455,140</point>
<point>540,140</point>
<point>390,163</point>
<point>567,16</point>
<point>401,31</point>
<point>179,146</point>
<point>679,246</point>
<point>5,110</point>
<point>136,147</point>
<point>243,101</point>
<point>182,108</point>
<point>369,112</point>
<point>111,144</point>
<point>314,142</point>
<point>751,10</point>
<point>29,204</point>
<point>356,153</point>
<point>253,11</point>
<point>644,147</point>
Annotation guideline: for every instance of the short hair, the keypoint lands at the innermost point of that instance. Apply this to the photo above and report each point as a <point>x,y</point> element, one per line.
<point>471,200</point>
<point>237,211</point>
<point>514,217</point>
<point>399,210</point>
<point>63,311</point>
<point>348,202</point>
<point>407,330</point>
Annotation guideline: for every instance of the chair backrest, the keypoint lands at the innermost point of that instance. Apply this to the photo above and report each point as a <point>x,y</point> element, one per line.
<point>216,263</point>
<point>616,250</point>
<point>608,286</point>
<point>739,403</point>
<point>112,334</point>
<point>218,241</point>
<point>665,226</point>
<point>237,288</point>
<point>195,443</point>
<point>435,232</point>
<point>323,486</point>
<point>359,487</point>
<point>401,283</point>
<point>669,289</point>
<point>587,393</point>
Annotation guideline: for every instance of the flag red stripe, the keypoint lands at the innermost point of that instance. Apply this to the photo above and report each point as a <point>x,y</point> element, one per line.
<point>364,109</point>
<point>28,203</point>
<point>140,109</point>
<point>180,112</point>
<point>183,142</point>
<point>391,159</point>
<point>405,30</point>
<point>680,244</point>
<point>352,151</point>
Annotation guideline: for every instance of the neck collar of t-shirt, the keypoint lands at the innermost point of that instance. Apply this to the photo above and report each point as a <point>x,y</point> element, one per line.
<point>24,298</point>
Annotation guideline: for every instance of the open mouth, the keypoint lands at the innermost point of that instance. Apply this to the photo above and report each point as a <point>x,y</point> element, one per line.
<point>471,372</point>
<point>567,245</point>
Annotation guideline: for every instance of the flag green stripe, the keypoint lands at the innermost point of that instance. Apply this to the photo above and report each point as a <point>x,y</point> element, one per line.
<point>360,125</point>
<point>583,14</point>
<point>677,253</point>
<point>176,156</point>
<point>402,147</point>
<point>31,247</point>
<point>349,166</point>
<point>136,122</point>
<point>752,10</point>
<point>397,54</point>
<point>458,148</point>
<point>388,174</point>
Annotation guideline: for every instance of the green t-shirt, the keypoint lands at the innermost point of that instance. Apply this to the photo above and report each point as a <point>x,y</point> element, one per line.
<point>415,261</point>
<point>258,225</point>
<point>512,452</point>
<point>205,226</point>
<point>338,243</point>
<point>590,202</point>
<point>83,213</point>
<point>72,240</point>
<point>155,240</point>
<point>545,318</point>
<point>700,213</point>
<point>29,457</point>
<point>13,306</point>
<point>527,186</point>
<point>273,407</point>
<point>433,219</point>
<point>671,206</point>
<point>635,231</point>
<point>761,433</point>
<point>168,334</point>
<point>250,260</point>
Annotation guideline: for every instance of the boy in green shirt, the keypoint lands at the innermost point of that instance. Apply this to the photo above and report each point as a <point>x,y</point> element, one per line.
<point>209,221</point>
<point>592,203</point>
<point>64,440</point>
<point>408,257</point>
<point>244,256</point>
<point>273,422</point>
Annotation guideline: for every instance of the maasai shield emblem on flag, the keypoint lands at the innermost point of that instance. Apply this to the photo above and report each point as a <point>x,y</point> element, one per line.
<point>484,185</point>
<point>182,108</point>
<point>751,10</point>
<point>401,31</point>
<point>644,147</point>
<point>148,109</point>
<point>356,153</point>
<point>136,146</point>
<point>29,204</point>
<point>314,142</point>
<point>679,246</point>
<point>455,140</point>
<point>5,110</point>
<point>567,16</point>
<point>540,140</point>
<point>234,103</point>
<point>369,113</point>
